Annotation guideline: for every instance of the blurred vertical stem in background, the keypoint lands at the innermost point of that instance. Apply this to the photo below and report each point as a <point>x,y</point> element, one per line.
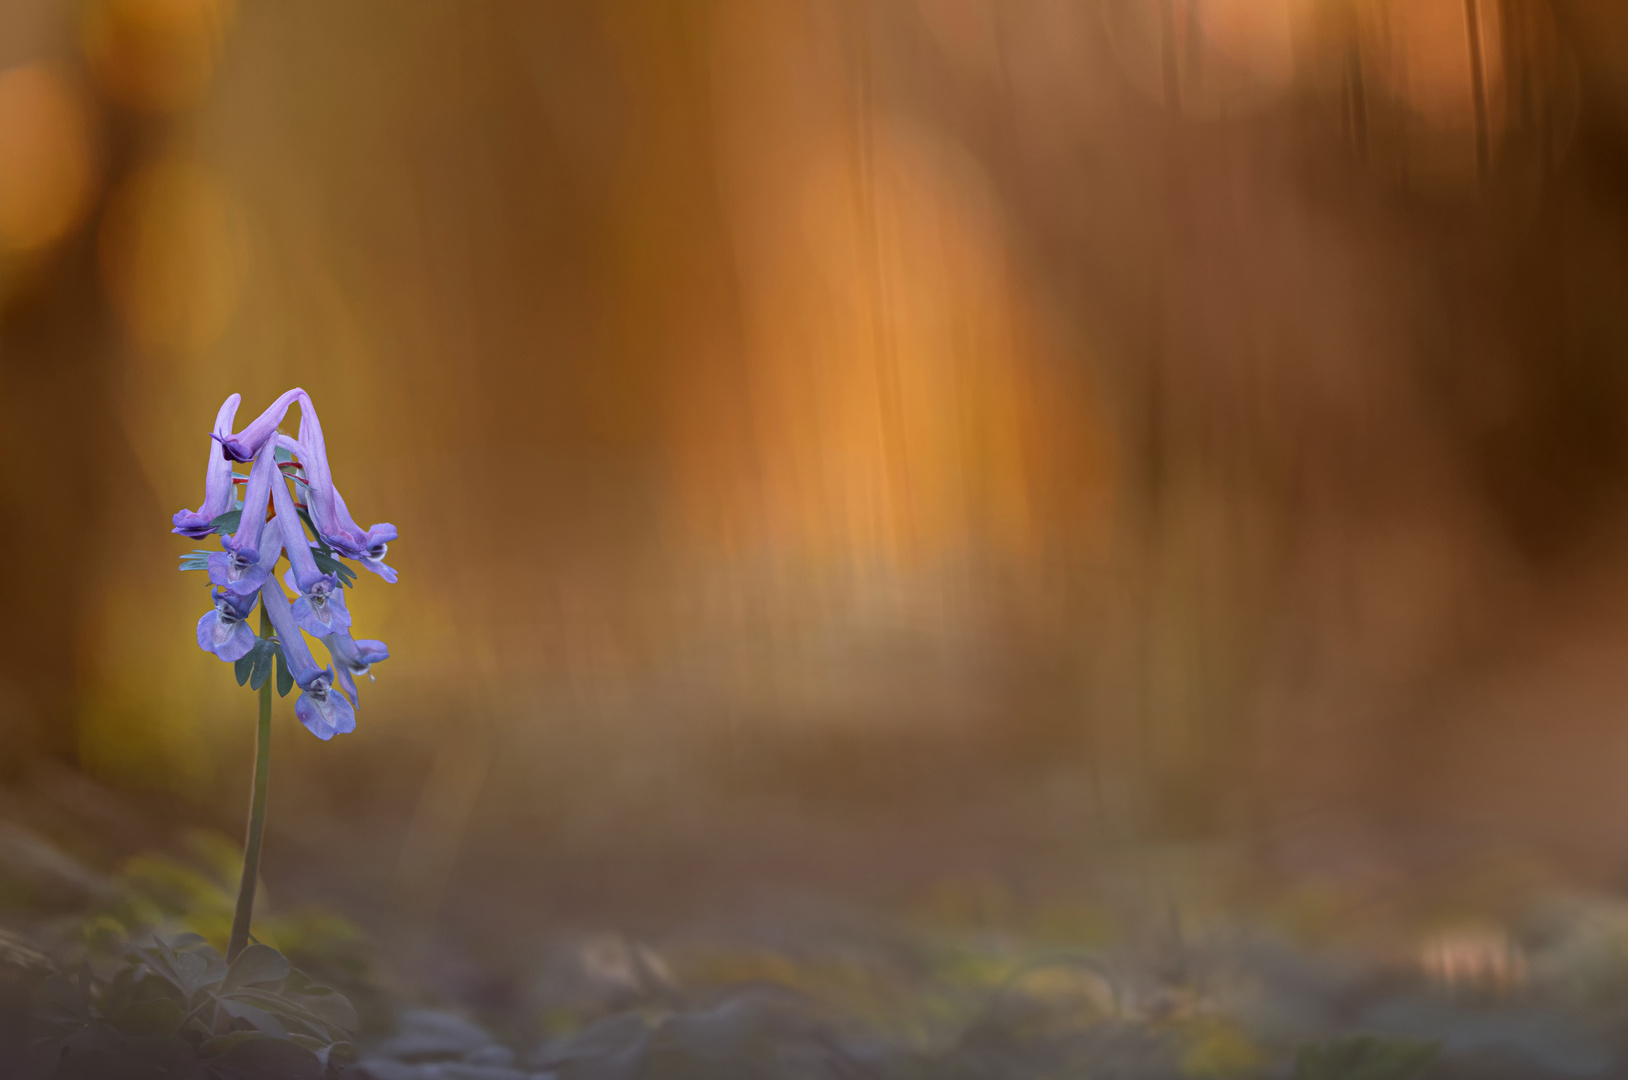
<point>257,816</point>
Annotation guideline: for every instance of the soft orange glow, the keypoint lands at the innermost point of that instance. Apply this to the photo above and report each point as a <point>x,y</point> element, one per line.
<point>45,156</point>
<point>1419,53</point>
<point>968,31</point>
<point>173,255</point>
<point>1474,957</point>
<point>1207,58</point>
<point>901,401</point>
<point>154,55</point>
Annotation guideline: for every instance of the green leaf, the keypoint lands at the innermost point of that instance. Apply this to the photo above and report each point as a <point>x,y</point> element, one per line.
<point>261,1019</point>
<point>328,1053</point>
<point>285,678</point>
<point>283,455</point>
<point>255,964</point>
<point>1364,1057</point>
<point>329,1014</point>
<point>195,560</point>
<point>261,668</point>
<point>152,1016</point>
<point>189,969</point>
<point>242,666</point>
<point>333,1009</point>
<point>227,522</point>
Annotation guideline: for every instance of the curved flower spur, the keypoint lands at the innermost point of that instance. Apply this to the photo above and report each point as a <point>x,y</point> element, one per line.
<point>269,523</point>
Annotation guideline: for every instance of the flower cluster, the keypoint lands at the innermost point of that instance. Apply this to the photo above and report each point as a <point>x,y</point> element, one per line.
<point>271,521</point>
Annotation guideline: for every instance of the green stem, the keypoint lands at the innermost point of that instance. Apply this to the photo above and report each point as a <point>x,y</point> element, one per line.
<point>257,816</point>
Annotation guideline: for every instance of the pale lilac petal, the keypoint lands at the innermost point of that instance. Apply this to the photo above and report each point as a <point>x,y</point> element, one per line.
<point>300,559</point>
<point>325,712</point>
<point>224,630</point>
<point>234,572</point>
<point>246,444</point>
<point>217,481</point>
<point>328,511</point>
<point>352,658</point>
<point>251,552</point>
<point>295,651</point>
<point>320,608</point>
<point>256,498</point>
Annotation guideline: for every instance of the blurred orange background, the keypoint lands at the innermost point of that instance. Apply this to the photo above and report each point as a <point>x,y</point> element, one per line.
<point>994,431</point>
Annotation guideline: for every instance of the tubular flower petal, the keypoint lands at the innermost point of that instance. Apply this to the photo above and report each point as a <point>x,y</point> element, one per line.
<point>238,569</point>
<point>328,511</point>
<point>324,711</point>
<point>217,481</point>
<point>246,444</point>
<point>320,609</point>
<point>352,658</point>
<point>224,630</point>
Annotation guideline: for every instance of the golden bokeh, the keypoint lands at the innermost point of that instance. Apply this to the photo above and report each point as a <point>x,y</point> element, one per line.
<point>154,55</point>
<point>1420,53</point>
<point>173,252</point>
<point>903,404</point>
<point>46,169</point>
<point>1208,59</point>
<point>1445,93</point>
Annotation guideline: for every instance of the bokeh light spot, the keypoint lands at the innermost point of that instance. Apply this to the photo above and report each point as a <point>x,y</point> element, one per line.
<point>154,55</point>
<point>173,253</point>
<point>45,157</point>
<point>1207,59</point>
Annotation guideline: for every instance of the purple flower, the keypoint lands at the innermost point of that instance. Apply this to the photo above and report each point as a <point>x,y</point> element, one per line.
<point>246,444</point>
<point>224,630</point>
<point>328,511</point>
<point>323,711</point>
<point>320,609</point>
<point>352,658</point>
<point>217,481</point>
<point>239,569</point>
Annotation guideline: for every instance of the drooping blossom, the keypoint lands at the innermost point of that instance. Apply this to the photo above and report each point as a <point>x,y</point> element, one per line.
<point>224,629</point>
<point>244,572</point>
<point>217,480</point>
<point>320,609</point>
<point>238,568</point>
<point>324,711</point>
<point>246,444</point>
<point>329,513</point>
<point>352,658</point>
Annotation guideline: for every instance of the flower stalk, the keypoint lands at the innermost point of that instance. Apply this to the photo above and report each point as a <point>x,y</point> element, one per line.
<point>265,528</point>
<point>257,817</point>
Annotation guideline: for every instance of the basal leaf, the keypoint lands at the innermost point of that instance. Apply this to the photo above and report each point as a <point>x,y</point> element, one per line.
<point>255,964</point>
<point>333,1009</point>
<point>151,1016</point>
<point>1365,1057</point>
<point>260,1018</point>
